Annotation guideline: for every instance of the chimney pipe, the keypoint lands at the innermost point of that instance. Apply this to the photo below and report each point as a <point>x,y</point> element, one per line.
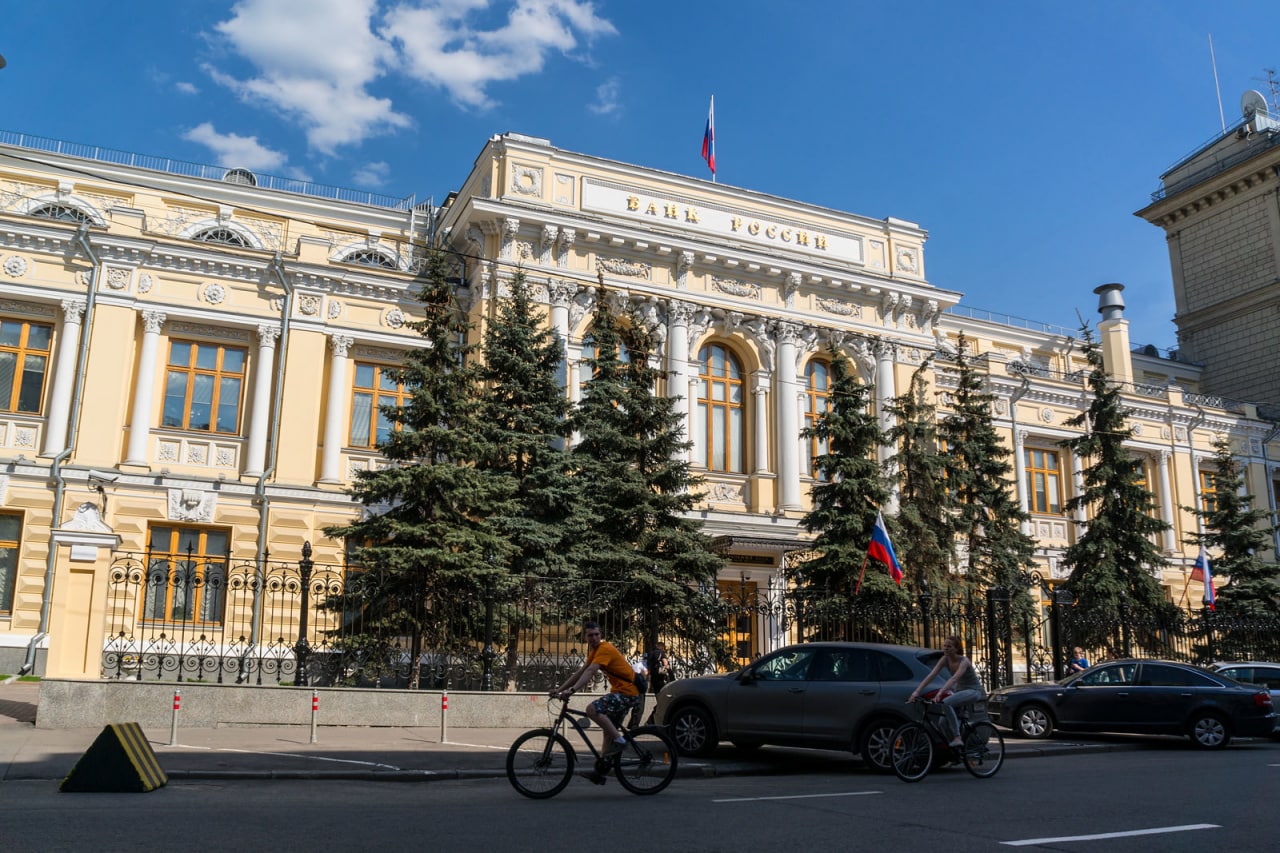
<point>1110,302</point>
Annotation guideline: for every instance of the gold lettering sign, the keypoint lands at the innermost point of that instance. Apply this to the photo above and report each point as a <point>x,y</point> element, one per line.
<point>754,227</point>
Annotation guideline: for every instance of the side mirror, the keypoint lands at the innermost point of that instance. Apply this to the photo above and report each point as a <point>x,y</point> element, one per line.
<point>747,676</point>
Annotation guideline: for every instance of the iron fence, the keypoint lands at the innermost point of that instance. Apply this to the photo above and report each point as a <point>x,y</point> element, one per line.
<point>192,618</point>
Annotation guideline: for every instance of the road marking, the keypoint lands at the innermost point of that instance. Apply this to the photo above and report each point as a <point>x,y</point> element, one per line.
<point>1028,842</point>
<point>292,755</point>
<point>796,797</point>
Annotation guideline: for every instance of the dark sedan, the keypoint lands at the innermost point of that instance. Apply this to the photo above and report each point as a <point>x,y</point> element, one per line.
<point>846,696</point>
<point>1138,697</point>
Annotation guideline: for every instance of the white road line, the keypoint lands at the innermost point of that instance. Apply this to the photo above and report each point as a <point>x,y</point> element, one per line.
<point>292,755</point>
<point>1028,842</point>
<point>796,797</point>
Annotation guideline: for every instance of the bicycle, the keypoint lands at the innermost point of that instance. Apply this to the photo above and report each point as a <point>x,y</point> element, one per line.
<point>914,745</point>
<point>540,762</point>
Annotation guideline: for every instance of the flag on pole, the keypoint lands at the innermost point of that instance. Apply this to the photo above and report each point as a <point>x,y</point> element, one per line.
<point>882,549</point>
<point>1200,571</point>
<point>709,138</point>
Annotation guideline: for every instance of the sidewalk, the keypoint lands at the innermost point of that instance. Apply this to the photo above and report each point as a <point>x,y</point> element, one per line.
<point>369,753</point>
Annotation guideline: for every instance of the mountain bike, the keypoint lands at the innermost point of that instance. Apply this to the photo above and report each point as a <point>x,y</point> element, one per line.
<point>540,763</point>
<point>915,744</point>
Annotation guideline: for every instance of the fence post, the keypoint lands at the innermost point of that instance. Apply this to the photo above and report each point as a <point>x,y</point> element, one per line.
<point>488,654</point>
<point>926,600</point>
<point>1207,620</point>
<point>1126,647</point>
<point>1056,602</point>
<point>302,649</point>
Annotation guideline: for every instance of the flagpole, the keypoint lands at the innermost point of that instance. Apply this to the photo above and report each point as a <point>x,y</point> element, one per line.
<point>858,588</point>
<point>713,132</point>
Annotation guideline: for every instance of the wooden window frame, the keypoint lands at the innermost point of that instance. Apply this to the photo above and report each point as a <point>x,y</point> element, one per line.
<point>204,573</point>
<point>380,397</point>
<point>708,404</point>
<point>817,402</point>
<point>1033,471</point>
<point>21,352</point>
<point>219,374</point>
<point>11,547</point>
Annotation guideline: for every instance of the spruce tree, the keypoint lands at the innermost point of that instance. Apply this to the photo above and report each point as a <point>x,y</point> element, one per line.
<point>1115,556</point>
<point>851,490</point>
<point>427,543</point>
<point>980,479</point>
<point>925,543</point>
<point>1235,533</point>
<point>632,461</point>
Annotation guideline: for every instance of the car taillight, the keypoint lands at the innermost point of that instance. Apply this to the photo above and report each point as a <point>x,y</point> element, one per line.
<point>1262,700</point>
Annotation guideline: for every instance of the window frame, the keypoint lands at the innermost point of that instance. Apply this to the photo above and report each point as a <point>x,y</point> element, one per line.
<point>1051,506</point>
<point>817,402</point>
<point>732,439</point>
<point>22,351</point>
<point>401,395</point>
<point>191,371</point>
<point>9,584</point>
<point>202,581</point>
<point>1208,491</point>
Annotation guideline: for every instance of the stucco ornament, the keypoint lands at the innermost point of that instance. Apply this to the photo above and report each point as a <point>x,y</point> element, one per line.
<point>393,318</point>
<point>191,505</point>
<point>214,293</point>
<point>15,266</point>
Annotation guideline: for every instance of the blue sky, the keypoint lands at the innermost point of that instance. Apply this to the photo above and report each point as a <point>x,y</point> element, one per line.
<point>1022,135</point>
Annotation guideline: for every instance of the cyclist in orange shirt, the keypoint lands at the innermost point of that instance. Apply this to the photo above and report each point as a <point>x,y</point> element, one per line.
<point>606,712</point>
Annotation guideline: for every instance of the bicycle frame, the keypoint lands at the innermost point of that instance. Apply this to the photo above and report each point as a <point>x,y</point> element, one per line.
<point>568,717</point>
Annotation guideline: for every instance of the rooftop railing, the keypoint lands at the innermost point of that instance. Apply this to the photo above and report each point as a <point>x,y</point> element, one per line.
<point>1009,320</point>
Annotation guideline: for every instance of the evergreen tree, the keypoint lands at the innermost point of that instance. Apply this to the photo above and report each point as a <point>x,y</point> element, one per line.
<point>1235,533</point>
<point>1115,555</point>
<point>925,544</point>
<point>525,423</point>
<point>632,462</point>
<point>851,490</point>
<point>980,478</point>
<point>427,543</point>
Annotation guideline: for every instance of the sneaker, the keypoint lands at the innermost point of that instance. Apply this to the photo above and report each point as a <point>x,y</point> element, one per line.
<point>956,744</point>
<point>614,748</point>
<point>593,777</point>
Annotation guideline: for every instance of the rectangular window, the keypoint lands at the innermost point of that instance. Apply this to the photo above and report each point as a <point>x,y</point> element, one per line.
<point>10,536</point>
<point>1208,491</point>
<point>186,574</point>
<point>24,358</point>
<point>374,386</point>
<point>202,387</point>
<point>1044,480</point>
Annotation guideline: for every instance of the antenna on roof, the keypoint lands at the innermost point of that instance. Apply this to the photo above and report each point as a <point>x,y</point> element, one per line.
<point>1216,87</point>
<point>1273,88</point>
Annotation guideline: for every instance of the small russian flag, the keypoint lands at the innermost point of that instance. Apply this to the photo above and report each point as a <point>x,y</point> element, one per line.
<point>709,137</point>
<point>882,549</point>
<point>1200,571</point>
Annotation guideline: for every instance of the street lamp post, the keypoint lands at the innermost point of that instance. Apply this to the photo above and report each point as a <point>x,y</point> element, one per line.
<point>302,649</point>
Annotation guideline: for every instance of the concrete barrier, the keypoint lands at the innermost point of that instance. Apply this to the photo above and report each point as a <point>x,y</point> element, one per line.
<point>69,704</point>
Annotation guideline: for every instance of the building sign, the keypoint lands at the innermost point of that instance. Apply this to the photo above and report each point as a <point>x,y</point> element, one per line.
<point>615,200</point>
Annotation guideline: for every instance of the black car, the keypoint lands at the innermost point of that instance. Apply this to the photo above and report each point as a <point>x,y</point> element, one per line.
<point>1138,697</point>
<point>826,695</point>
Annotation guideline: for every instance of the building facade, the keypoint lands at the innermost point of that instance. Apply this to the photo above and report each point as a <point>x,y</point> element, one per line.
<point>203,354</point>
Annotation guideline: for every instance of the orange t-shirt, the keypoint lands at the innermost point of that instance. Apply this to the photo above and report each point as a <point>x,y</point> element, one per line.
<point>611,662</point>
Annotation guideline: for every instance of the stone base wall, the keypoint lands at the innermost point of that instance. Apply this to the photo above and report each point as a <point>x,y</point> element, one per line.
<point>67,704</point>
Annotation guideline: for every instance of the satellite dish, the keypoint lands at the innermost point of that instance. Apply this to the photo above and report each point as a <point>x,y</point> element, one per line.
<point>1252,102</point>
<point>1,60</point>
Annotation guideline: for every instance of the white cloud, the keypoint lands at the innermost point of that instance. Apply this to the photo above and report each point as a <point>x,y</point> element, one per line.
<point>607,98</point>
<point>185,88</point>
<point>372,174</point>
<point>314,60</point>
<point>440,48</point>
<point>235,151</point>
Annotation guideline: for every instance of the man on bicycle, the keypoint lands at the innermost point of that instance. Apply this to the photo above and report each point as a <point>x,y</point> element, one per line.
<point>606,712</point>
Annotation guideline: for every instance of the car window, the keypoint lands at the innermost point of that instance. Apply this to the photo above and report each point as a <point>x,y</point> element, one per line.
<point>1239,673</point>
<point>788,665</point>
<point>1117,673</point>
<point>1162,675</point>
<point>842,665</point>
<point>1267,676</point>
<point>892,669</point>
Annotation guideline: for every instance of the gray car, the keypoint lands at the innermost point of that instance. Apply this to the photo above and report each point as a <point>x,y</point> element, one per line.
<point>845,696</point>
<point>1263,673</point>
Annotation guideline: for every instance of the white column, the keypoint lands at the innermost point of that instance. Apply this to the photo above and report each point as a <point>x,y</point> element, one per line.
<point>561,294</point>
<point>335,424</point>
<point>1166,500</point>
<point>55,430</point>
<point>886,390</point>
<point>259,425</point>
<point>144,390</point>
<point>788,415</point>
<point>678,316</point>
<point>1020,473</point>
<point>760,417</point>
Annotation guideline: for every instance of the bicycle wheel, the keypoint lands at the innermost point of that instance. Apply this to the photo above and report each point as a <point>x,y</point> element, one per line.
<point>540,764</point>
<point>648,763</point>
<point>911,752</point>
<point>983,750</point>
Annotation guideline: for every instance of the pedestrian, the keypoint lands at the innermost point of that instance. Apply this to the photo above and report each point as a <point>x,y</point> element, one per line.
<point>960,675</point>
<point>640,678</point>
<point>657,665</point>
<point>606,712</point>
<point>1079,663</point>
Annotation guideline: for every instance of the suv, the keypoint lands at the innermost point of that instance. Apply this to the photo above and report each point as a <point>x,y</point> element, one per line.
<point>1255,672</point>
<point>846,696</point>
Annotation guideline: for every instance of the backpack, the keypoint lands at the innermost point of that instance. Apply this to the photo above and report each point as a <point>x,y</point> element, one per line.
<point>641,683</point>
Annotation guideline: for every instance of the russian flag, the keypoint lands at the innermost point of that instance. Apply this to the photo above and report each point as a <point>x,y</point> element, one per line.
<point>709,137</point>
<point>882,549</point>
<point>1200,571</point>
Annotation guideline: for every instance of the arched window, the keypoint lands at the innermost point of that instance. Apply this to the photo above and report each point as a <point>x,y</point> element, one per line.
<point>62,213</point>
<point>222,236</point>
<point>720,429</point>
<point>817,399</point>
<point>370,258</point>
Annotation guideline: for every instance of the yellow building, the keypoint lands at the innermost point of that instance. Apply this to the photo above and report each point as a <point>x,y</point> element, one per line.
<point>203,354</point>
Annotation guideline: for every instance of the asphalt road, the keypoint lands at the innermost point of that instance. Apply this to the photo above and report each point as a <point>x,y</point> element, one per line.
<point>1182,799</point>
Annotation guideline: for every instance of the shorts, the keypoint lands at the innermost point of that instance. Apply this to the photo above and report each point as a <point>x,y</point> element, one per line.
<point>615,706</point>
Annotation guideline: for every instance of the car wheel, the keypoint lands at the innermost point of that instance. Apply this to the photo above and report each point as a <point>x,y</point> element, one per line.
<point>693,731</point>
<point>1209,731</point>
<point>876,747</point>
<point>1033,721</point>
